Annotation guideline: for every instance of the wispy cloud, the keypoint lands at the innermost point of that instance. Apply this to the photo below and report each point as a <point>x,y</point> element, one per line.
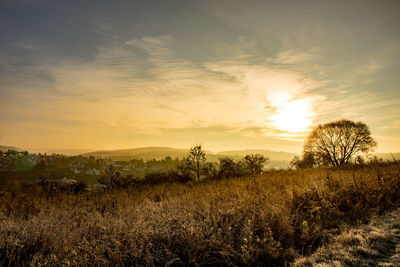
<point>294,57</point>
<point>393,125</point>
<point>141,84</point>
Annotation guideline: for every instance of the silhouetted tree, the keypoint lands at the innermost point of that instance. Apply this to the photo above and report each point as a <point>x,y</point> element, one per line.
<point>228,168</point>
<point>113,179</point>
<point>195,159</point>
<point>334,143</point>
<point>254,163</point>
<point>209,170</point>
<point>307,161</point>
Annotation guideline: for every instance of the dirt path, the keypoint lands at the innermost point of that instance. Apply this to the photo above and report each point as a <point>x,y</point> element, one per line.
<point>375,244</point>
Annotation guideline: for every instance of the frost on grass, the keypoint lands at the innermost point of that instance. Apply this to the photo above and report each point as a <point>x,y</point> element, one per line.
<point>375,244</point>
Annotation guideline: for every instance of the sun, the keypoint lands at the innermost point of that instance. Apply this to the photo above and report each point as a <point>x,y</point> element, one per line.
<point>292,116</point>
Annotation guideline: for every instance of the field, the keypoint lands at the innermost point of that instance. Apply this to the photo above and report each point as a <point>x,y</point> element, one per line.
<point>374,244</point>
<point>271,219</point>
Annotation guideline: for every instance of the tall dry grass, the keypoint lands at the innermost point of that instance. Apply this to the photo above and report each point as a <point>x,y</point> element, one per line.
<point>269,220</point>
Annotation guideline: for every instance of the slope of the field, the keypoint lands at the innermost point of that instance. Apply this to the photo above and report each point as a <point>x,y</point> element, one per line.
<point>267,220</point>
<point>375,244</point>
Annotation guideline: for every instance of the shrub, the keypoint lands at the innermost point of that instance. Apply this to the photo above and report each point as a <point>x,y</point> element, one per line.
<point>161,177</point>
<point>209,171</point>
<point>65,185</point>
<point>228,168</point>
<point>254,163</point>
<point>113,179</point>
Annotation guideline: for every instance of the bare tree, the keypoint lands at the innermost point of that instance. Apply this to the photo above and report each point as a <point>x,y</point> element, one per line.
<point>195,159</point>
<point>335,143</point>
<point>254,163</point>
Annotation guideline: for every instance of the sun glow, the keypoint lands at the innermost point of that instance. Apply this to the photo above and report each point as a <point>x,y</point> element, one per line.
<point>293,116</point>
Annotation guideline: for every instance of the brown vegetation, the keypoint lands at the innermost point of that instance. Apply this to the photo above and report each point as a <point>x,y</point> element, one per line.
<point>269,220</point>
<point>375,244</point>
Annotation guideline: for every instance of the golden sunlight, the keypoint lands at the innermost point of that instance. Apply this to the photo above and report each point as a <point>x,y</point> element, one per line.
<point>292,116</point>
<point>217,125</point>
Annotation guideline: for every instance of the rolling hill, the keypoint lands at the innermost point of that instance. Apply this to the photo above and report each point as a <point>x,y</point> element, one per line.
<point>144,153</point>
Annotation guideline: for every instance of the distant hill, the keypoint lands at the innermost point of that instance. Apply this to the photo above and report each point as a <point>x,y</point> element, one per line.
<point>277,159</point>
<point>6,148</point>
<point>139,153</point>
<point>68,152</point>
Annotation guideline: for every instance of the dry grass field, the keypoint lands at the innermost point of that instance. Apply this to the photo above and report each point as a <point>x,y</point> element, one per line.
<point>375,244</point>
<point>264,221</point>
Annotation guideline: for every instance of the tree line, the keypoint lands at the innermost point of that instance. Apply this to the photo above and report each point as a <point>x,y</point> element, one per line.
<point>193,168</point>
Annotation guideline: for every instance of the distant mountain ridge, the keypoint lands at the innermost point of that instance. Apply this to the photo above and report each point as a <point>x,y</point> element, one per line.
<point>6,148</point>
<point>68,152</point>
<point>139,153</point>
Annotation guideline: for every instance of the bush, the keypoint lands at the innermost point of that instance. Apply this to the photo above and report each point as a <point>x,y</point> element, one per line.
<point>209,171</point>
<point>228,168</point>
<point>113,179</point>
<point>159,177</point>
<point>65,185</point>
<point>254,163</point>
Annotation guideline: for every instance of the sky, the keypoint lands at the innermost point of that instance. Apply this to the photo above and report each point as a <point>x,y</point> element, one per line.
<point>91,75</point>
